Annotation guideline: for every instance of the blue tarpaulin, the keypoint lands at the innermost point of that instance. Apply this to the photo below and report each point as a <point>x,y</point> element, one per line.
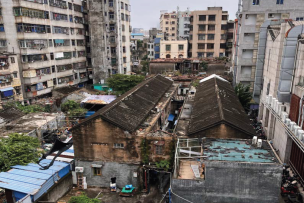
<point>7,92</point>
<point>171,117</point>
<point>57,41</point>
<point>89,113</point>
<point>39,86</point>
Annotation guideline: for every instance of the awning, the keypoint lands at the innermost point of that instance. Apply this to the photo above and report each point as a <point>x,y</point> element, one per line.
<point>6,89</point>
<point>171,117</point>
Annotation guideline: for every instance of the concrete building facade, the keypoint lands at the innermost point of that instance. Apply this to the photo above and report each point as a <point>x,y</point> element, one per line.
<point>251,16</point>
<point>109,32</point>
<point>48,40</point>
<point>183,23</point>
<point>168,25</point>
<point>174,49</point>
<point>208,33</point>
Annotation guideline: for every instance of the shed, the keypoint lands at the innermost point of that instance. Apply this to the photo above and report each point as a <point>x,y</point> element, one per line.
<point>32,180</point>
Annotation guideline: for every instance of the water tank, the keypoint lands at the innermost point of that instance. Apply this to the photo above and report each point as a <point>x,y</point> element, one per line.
<point>254,140</point>
<point>260,143</point>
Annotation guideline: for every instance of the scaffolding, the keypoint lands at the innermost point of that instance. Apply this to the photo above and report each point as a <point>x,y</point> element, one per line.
<point>187,149</point>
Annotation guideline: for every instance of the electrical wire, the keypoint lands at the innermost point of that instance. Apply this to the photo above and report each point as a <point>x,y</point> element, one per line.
<point>180,197</point>
<point>164,197</point>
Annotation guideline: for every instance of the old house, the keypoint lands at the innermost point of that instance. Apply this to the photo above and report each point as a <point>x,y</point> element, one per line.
<point>214,111</point>
<point>109,143</point>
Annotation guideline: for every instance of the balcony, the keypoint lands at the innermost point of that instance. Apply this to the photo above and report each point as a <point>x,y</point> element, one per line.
<point>39,93</point>
<point>38,79</point>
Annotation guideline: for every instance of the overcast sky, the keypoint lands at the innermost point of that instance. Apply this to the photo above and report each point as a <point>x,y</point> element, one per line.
<point>145,13</point>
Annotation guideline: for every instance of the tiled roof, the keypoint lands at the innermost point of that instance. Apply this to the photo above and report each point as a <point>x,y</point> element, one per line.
<point>66,90</point>
<point>215,103</point>
<point>132,108</point>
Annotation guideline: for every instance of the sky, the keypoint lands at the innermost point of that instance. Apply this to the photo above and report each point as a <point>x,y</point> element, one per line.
<point>145,13</point>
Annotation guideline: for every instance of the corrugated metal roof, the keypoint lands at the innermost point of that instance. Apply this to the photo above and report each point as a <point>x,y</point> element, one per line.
<point>31,179</point>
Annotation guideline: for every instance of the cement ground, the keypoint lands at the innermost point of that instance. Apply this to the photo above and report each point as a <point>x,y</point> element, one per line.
<point>107,197</point>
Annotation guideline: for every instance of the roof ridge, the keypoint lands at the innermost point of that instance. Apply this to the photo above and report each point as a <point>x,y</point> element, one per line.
<point>219,101</point>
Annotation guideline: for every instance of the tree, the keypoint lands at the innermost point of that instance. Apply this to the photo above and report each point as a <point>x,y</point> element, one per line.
<point>244,94</point>
<point>27,109</point>
<point>204,65</point>
<point>145,66</point>
<point>123,83</point>
<point>83,199</point>
<point>18,149</point>
<point>73,109</point>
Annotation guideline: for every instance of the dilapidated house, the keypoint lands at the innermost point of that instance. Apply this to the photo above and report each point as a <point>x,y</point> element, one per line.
<point>214,111</point>
<point>110,143</point>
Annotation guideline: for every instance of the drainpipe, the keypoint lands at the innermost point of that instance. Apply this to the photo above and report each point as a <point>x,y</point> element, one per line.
<point>300,111</point>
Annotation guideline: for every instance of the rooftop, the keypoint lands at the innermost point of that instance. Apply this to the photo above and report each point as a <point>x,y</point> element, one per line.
<point>215,103</point>
<point>10,114</point>
<point>30,179</point>
<point>237,151</point>
<point>137,34</point>
<point>99,99</point>
<point>131,109</point>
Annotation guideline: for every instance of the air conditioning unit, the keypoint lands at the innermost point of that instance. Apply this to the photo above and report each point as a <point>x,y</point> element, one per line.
<point>247,16</point>
<point>273,102</point>
<point>79,169</point>
<point>260,143</point>
<point>287,121</point>
<point>292,125</point>
<point>269,100</point>
<point>296,129</point>
<point>279,108</point>
<point>301,134</point>
<point>254,140</point>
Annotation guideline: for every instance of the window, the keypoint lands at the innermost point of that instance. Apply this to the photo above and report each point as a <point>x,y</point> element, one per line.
<point>223,37</point>
<point>111,15</point>
<point>224,27</point>
<point>210,36</point>
<point>12,59</point>
<point>201,27</point>
<point>122,16</point>
<point>73,42</point>
<point>173,28</point>
<point>2,43</point>
<point>1,28</point>
<point>97,171</point>
<point>111,3</point>
<point>124,49</point>
<point>211,27</point>
<point>60,17</point>
<point>300,19</point>
<point>223,46</point>
<point>113,61</point>
<point>209,54</point>
<point>127,18</point>
<point>168,47</point>
<point>113,50</point>
<point>72,31</point>
<point>159,149</point>
<point>225,17</point>
<point>112,27</point>
<point>181,47</point>
<point>70,6</point>
<point>280,1</point>
<point>112,39</point>
<point>190,37</point>
<point>122,5</point>
<point>123,38</point>
<point>202,18</point>
<point>200,54</point>
<point>61,30</point>
<point>125,59</point>
<point>126,7</point>
<point>173,22</point>
<point>173,35</point>
<point>123,28</point>
<point>201,46</point>
<point>255,2</point>
<point>212,17</point>
<point>210,46</point>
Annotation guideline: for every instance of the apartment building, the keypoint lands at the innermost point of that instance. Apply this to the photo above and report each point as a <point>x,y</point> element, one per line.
<point>174,49</point>
<point>151,51</point>
<point>109,33</point>
<point>168,25</point>
<point>208,33</point>
<point>281,102</point>
<point>183,23</point>
<point>153,33</point>
<point>253,15</point>
<point>46,39</point>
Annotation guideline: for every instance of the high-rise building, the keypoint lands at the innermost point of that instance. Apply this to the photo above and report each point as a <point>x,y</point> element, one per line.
<point>168,25</point>
<point>252,15</point>
<point>43,46</point>
<point>208,33</point>
<point>109,30</point>
<point>183,23</point>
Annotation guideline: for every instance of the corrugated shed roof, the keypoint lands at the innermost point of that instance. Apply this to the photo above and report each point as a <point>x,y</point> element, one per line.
<point>66,90</point>
<point>215,103</point>
<point>132,108</point>
<point>30,179</point>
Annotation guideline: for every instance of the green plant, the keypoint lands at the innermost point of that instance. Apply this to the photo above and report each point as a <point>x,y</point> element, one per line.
<point>73,109</point>
<point>83,199</point>
<point>204,65</point>
<point>195,83</point>
<point>164,164</point>
<point>18,149</point>
<point>145,66</point>
<point>144,151</point>
<point>27,109</point>
<point>123,83</point>
<point>244,94</point>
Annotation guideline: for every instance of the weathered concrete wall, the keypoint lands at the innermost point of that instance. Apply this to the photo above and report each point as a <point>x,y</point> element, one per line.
<point>232,182</point>
<point>124,173</point>
<point>221,131</point>
<point>59,190</point>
